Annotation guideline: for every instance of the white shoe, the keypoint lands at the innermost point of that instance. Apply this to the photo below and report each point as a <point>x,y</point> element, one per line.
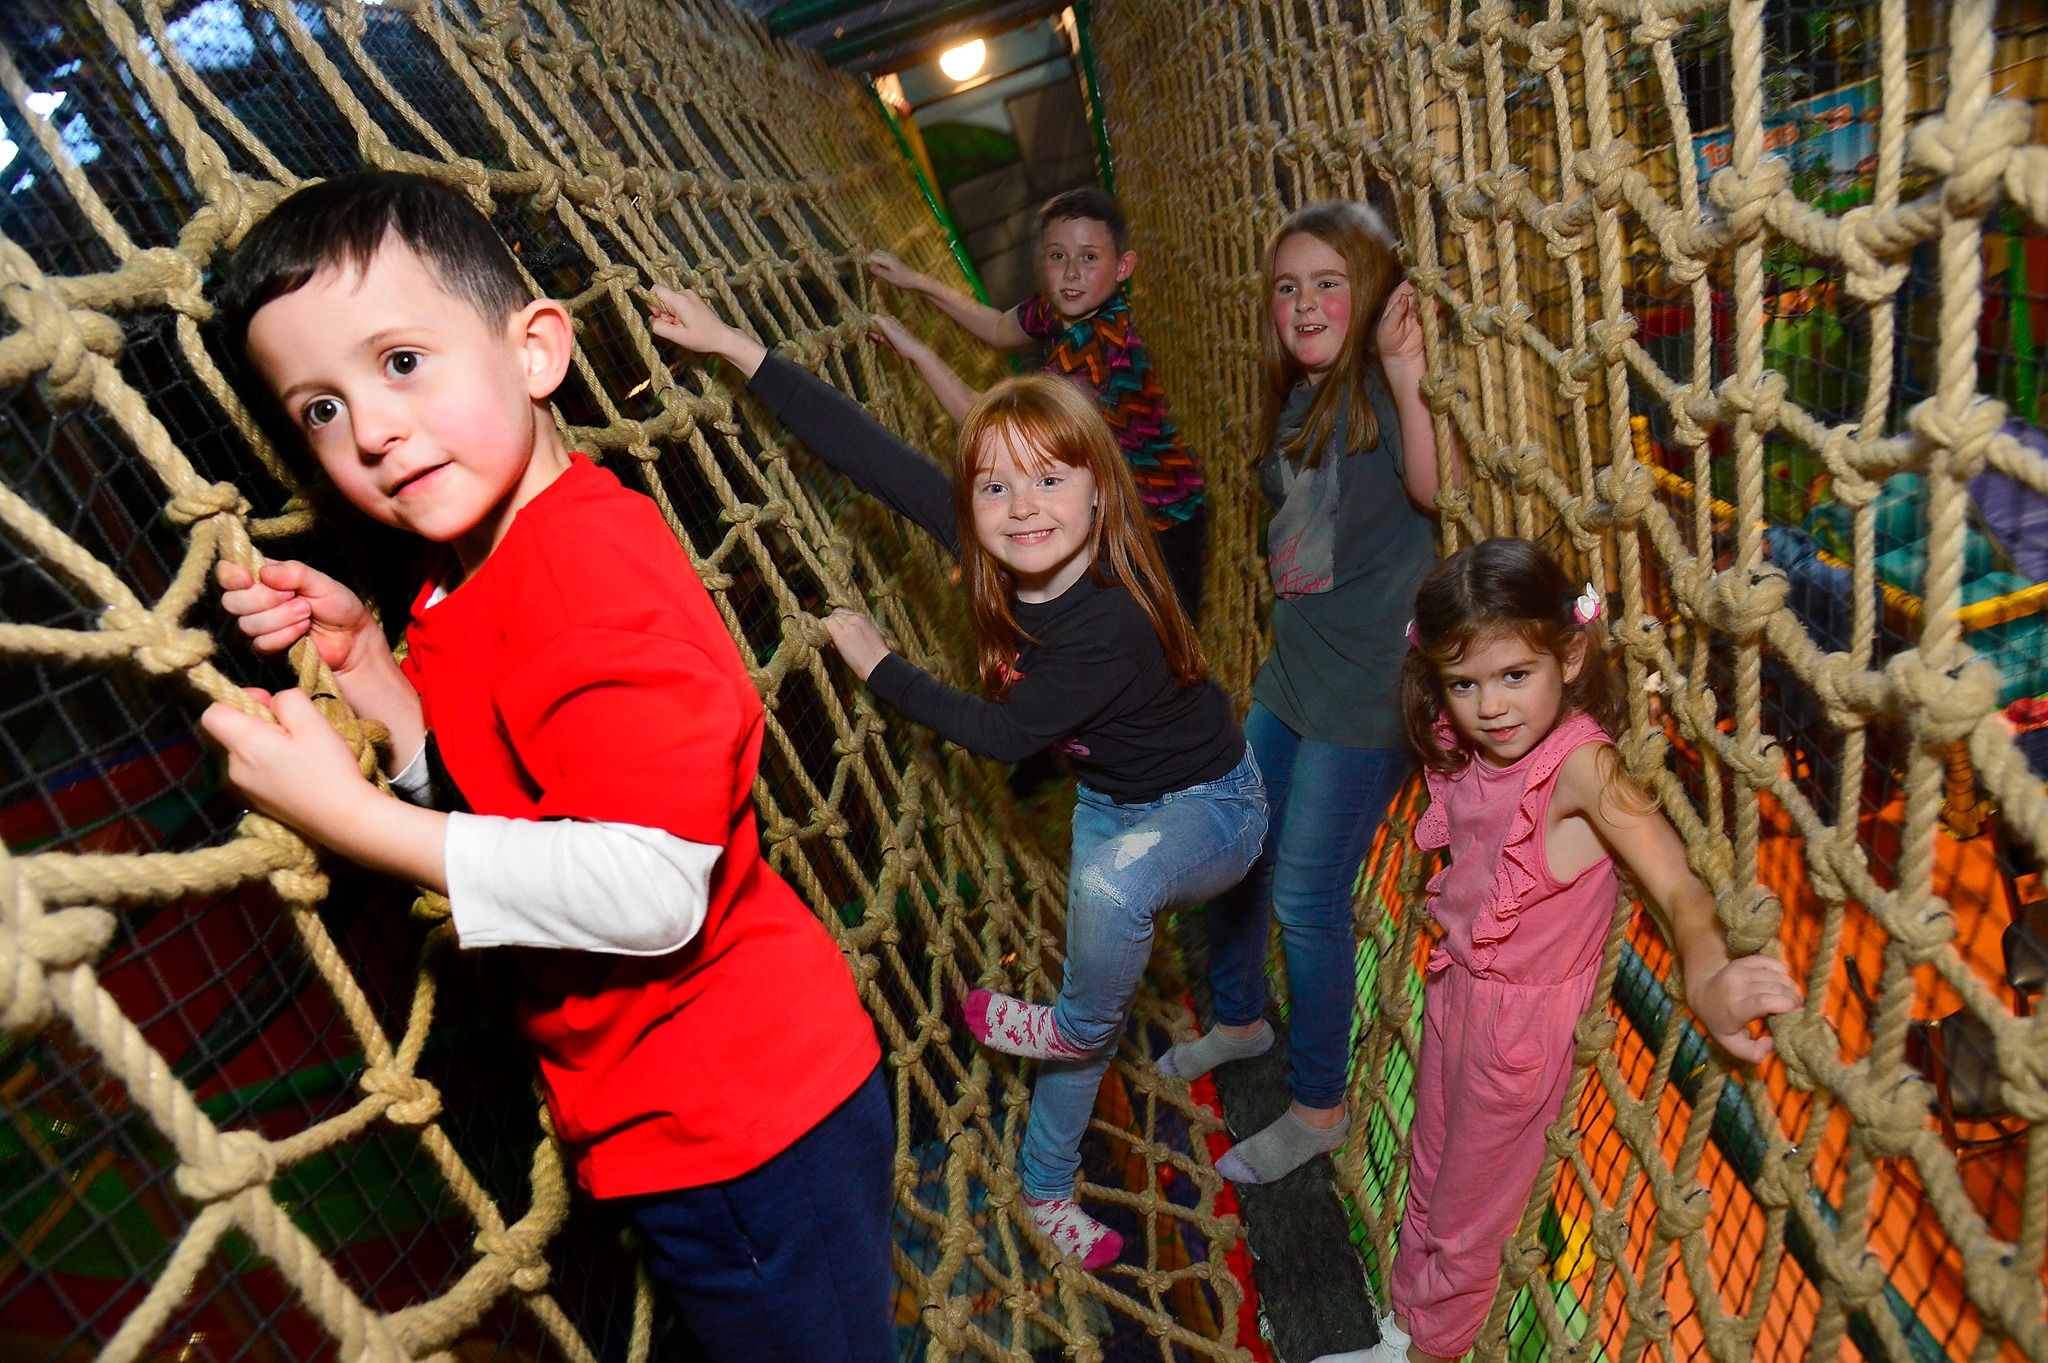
<point>1392,1348</point>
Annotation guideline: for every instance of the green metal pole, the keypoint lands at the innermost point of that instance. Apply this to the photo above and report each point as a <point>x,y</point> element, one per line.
<point>1092,89</point>
<point>2021,305</point>
<point>931,197</point>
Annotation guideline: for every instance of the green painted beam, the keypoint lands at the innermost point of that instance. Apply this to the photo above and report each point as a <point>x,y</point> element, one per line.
<point>892,31</point>
<point>784,20</point>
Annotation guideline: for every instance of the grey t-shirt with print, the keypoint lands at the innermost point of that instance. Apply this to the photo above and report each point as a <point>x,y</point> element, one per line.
<point>1334,672</point>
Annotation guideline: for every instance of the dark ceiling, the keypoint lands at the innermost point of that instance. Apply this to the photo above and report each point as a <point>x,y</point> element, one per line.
<point>869,37</point>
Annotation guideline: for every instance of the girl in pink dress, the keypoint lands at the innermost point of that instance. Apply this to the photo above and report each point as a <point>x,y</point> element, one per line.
<point>1510,706</point>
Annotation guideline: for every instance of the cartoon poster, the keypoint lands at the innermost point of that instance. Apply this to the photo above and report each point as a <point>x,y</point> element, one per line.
<point>1830,141</point>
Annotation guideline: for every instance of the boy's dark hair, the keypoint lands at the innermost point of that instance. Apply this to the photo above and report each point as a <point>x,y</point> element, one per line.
<point>1499,586</point>
<point>1091,203</point>
<point>344,220</point>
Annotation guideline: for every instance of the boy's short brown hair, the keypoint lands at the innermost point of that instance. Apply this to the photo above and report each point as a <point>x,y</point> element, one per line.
<point>1090,203</point>
<point>344,220</point>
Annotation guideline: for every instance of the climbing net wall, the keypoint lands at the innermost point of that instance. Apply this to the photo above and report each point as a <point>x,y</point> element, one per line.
<point>256,1105</point>
<point>1615,215</point>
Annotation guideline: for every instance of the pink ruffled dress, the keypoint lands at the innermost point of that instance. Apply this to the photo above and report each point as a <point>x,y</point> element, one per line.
<point>1519,958</point>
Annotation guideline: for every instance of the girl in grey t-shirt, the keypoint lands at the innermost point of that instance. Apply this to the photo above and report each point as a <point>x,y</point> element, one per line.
<point>1349,468</point>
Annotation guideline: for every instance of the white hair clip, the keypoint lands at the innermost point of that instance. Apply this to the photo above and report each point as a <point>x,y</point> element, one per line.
<point>1586,609</point>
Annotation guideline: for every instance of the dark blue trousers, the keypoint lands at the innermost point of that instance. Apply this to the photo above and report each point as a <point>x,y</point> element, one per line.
<point>789,1263</point>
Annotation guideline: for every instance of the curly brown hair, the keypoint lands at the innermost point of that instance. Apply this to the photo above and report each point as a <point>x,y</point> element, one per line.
<point>1499,586</point>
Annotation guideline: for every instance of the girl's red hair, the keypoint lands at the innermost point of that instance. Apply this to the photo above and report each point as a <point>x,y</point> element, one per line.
<point>1052,421</point>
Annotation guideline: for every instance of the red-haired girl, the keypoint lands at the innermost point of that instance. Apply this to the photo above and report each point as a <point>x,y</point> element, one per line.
<point>1082,646</point>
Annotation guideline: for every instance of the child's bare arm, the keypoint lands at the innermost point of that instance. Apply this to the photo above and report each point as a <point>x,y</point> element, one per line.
<point>1400,348</point>
<point>948,387</point>
<point>688,321</point>
<point>299,771</point>
<point>997,328</point>
<point>288,601</point>
<point>1726,996</point>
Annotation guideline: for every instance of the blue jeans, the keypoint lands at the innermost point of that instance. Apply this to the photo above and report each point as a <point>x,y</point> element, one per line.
<point>791,1260</point>
<point>1327,804</point>
<point>1130,863</point>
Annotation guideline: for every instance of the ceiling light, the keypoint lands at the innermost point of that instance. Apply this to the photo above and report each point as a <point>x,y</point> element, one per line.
<point>964,62</point>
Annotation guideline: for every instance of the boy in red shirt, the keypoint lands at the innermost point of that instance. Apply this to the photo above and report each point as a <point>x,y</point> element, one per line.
<point>572,694</point>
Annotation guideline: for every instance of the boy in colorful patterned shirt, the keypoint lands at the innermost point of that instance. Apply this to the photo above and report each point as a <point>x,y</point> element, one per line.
<point>1083,318</point>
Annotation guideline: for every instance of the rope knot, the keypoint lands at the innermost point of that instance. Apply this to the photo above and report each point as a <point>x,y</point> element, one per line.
<point>1888,1118</point>
<point>1971,155</point>
<point>414,1101</point>
<point>1943,704</point>
<point>1966,434</point>
<point>517,1253</point>
<point>1745,197</point>
<point>1848,691</point>
<point>1923,924</point>
<point>1522,468</point>
<point>1741,601</point>
<point>1522,1260</point>
<point>1869,279</point>
<point>220,499</point>
<point>1608,1235</point>
<point>1606,171</point>
<point>33,944</point>
<point>1676,1220</point>
<point>1630,488</point>
<point>2022,1050</point>
<point>1594,1035</point>
<point>299,880</point>
<point>1751,914</point>
<point>1760,402</point>
<point>1782,1180</point>
<point>163,648</point>
<point>243,1160</point>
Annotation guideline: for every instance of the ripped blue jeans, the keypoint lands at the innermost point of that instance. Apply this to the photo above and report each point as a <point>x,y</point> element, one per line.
<point>1130,863</point>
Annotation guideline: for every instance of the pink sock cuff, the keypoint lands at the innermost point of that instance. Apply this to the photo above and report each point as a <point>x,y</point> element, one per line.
<point>974,1012</point>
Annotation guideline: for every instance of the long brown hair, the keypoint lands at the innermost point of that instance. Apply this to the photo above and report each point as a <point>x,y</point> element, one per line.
<point>1361,236</point>
<point>1050,420</point>
<point>1496,587</point>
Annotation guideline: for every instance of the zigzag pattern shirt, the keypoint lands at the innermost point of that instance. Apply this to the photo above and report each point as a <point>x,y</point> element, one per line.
<point>1103,351</point>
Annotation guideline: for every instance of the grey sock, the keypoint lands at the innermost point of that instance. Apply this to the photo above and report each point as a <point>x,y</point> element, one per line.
<point>1280,1149</point>
<point>1193,1059</point>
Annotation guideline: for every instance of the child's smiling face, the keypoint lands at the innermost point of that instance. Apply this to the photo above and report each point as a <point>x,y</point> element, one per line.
<point>1311,302</point>
<point>1505,695</point>
<point>1035,516</point>
<point>1081,266</point>
<point>424,414</point>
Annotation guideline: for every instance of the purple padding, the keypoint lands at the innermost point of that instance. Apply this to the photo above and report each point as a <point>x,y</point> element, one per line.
<point>2015,514</point>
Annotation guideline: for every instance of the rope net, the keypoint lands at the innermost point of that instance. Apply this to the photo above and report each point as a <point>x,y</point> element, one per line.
<point>258,1106</point>
<point>1679,354</point>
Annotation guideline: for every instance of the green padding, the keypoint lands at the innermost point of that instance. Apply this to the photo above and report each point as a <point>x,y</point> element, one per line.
<point>2019,647</point>
<point>1898,518</point>
<point>1906,566</point>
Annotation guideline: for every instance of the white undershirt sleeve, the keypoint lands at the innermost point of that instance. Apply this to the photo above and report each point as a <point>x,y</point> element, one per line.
<point>415,784</point>
<point>612,887</point>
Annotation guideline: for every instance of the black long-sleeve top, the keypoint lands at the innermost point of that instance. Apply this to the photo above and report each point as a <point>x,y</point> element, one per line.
<point>1092,678</point>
